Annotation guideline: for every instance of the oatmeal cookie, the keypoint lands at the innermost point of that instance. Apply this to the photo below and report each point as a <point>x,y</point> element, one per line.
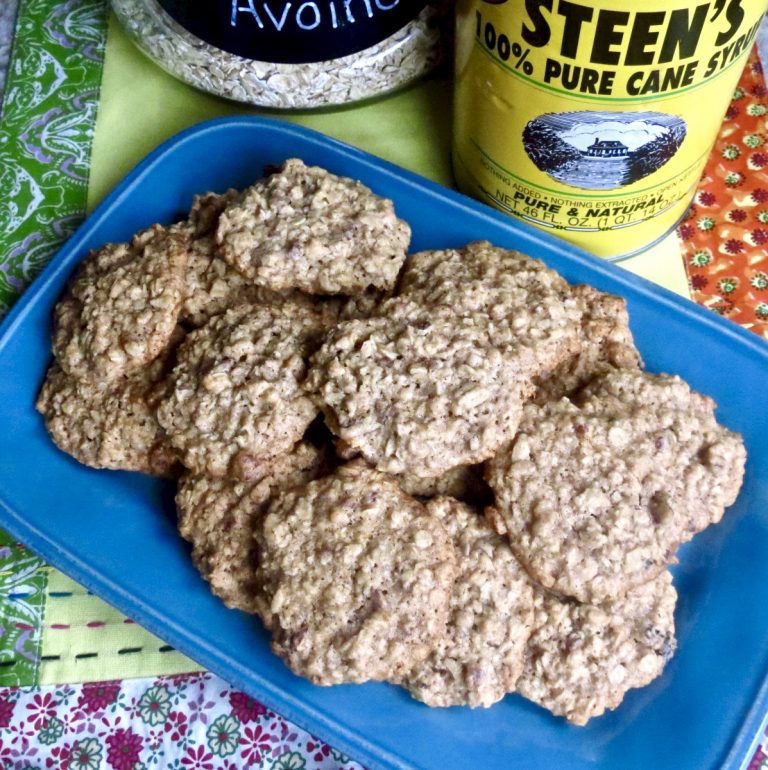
<point>305,228</point>
<point>110,425</point>
<point>482,279</point>
<point>219,516</point>
<point>606,342</point>
<point>234,398</point>
<point>212,286</point>
<point>596,498</point>
<point>480,658</point>
<point>713,456</point>
<point>464,482</point>
<point>121,308</point>
<point>423,390</point>
<point>582,659</point>
<point>358,576</point>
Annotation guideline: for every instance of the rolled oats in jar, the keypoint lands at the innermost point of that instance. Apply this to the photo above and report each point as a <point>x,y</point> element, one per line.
<point>290,55</point>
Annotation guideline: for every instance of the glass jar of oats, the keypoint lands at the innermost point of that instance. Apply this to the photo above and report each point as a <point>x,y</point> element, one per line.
<point>290,55</point>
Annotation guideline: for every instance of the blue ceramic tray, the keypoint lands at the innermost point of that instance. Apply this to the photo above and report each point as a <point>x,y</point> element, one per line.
<point>114,532</point>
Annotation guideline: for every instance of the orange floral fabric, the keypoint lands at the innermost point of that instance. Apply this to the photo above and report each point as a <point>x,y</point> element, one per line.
<point>725,233</point>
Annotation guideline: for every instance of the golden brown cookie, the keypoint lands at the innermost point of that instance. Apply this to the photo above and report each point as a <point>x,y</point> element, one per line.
<point>219,516</point>
<point>480,657</point>
<point>120,309</point>
<point>112,425</point>
<point>606,341</point>
<point>420,390</point>
<point>234,398</point>
<point>582,659</point>
<point>306,228</point>
<point>503,285</point>
<point>596,498</point>
<point>358,576</point>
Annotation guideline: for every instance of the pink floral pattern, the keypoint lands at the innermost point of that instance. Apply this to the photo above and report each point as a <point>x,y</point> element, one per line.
<point>96,696</point>
<point>190,722</point>
<point>245,708</point>
<point>123,749</point>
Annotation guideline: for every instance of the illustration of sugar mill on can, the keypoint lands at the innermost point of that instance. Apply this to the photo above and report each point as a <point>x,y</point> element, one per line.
<point>594,119</point>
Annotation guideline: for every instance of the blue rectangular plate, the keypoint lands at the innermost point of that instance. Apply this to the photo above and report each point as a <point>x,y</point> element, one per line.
<point>114,532</point>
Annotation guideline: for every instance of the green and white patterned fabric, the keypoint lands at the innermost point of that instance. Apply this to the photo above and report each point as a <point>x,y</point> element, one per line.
<point>23,580</point>
<point>48,118</point>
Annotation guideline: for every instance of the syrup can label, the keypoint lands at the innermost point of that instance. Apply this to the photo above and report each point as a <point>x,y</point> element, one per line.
<point>594,119</point>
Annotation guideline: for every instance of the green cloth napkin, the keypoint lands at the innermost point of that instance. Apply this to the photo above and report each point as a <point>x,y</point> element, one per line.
<point>86,640</point>
<point>141,106</point>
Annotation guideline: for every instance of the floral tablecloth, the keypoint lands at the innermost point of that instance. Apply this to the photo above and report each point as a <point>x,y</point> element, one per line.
<point>83,687</point>
<point>188,722</point>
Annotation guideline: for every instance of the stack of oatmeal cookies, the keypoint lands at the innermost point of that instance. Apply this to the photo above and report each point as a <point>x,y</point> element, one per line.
<point>445,470</point>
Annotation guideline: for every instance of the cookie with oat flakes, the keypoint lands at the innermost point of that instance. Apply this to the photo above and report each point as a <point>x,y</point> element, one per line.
<point>582,659</point>
<point>219,517</point>
<point>480,657</point>
<point>714,456</point>
<point>207,208</point>
<point>120,309</point>
<point>606,341</point>
<point>235,400</point>
<point>212,285</point>
<point>111,425</point>
<point>464,482</point>
<point>306,228</point>
<point>358,577</point>
<point>422,390</point>
<point>596,498</point>
<point>502,284</point>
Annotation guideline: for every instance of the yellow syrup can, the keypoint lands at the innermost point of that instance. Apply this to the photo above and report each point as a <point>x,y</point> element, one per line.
<point>593,120</point>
